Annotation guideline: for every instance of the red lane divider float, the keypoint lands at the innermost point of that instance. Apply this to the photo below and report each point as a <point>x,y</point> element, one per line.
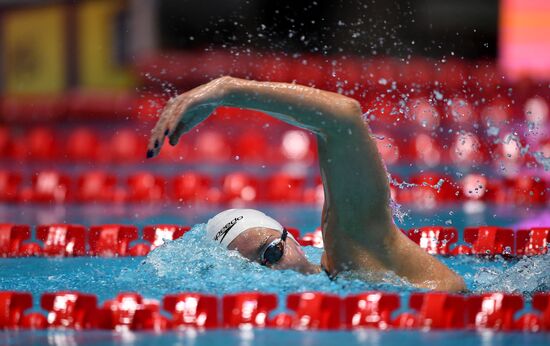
<point>435,240</point>
<point>130,311</point>
<point>304,311</point>
<point>370,310</point>
<point>248,309</point>
<point>98,186</point>
<point>111,240</point>
<point>493,311</point>
<point>11,239</point>
<point>63,240</point>
<point>192,310</point>
<point>433,311</point>
<point>157,235</point>
<point>67,309</point>
<point>12,307</point>
<point>490,240</point>
<point>532,241</point>
<point>314,310</point>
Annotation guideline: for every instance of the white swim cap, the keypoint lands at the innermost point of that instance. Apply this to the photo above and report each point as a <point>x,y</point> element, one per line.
<point>227,225</point>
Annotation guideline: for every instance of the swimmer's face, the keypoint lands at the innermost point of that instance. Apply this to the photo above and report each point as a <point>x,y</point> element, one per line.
<point>252,242</point>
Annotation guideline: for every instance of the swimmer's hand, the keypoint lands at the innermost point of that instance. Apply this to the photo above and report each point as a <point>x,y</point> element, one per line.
<point>184,112</point>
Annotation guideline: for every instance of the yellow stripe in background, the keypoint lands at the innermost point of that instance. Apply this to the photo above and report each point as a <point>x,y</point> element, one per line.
<point>33,50</point>
<point>97,42</point>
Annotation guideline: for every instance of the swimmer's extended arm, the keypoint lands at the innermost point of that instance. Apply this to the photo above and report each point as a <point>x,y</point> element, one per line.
<point>358,228</point>
<point>333,117</point>
<point>356,186</point>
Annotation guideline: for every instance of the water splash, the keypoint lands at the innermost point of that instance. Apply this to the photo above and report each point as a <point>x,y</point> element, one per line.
<point>194,264</point>
<point>406,185</point>
<point>543,160</point>
<point>169,90</point>
<point>523,149</point>
<point>528,275</point>
<point>397,211</point>
<point>493,131</point>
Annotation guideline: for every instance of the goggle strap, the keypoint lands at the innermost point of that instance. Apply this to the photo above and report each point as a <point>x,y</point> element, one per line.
<point>285,234</point>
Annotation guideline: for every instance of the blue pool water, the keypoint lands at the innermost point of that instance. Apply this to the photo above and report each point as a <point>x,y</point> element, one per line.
<point>176,266</point>
<point>274,338</point>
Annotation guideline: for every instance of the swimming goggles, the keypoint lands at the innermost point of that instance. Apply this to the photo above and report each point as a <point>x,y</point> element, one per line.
<point>274,251</point>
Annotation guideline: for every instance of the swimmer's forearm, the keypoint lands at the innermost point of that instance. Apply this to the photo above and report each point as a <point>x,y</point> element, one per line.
<point>320,111</point>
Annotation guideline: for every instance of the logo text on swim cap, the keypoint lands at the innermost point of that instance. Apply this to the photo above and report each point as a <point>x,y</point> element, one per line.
<point>223,232</point>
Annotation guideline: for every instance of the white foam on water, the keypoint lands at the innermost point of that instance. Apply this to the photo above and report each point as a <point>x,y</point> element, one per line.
<point>528,275</point>
<point>195,264</point>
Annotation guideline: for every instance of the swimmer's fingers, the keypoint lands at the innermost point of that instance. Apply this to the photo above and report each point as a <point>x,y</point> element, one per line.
<point>161,130</point>
<point>175,136</point>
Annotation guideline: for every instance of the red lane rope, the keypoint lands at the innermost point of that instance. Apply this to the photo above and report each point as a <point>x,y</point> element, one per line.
<point>426,190</point>
<point>85,145</point>
<point>115,240</point>
<point>304,311</point>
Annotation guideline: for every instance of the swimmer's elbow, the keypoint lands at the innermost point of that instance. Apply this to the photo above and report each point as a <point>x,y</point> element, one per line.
<point>454,284</point>
<point>347,117</point>
<point>459,284</point>
<point>352,109</point>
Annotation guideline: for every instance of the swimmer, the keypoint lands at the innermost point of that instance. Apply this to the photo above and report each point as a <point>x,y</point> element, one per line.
<point>358,230</point>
